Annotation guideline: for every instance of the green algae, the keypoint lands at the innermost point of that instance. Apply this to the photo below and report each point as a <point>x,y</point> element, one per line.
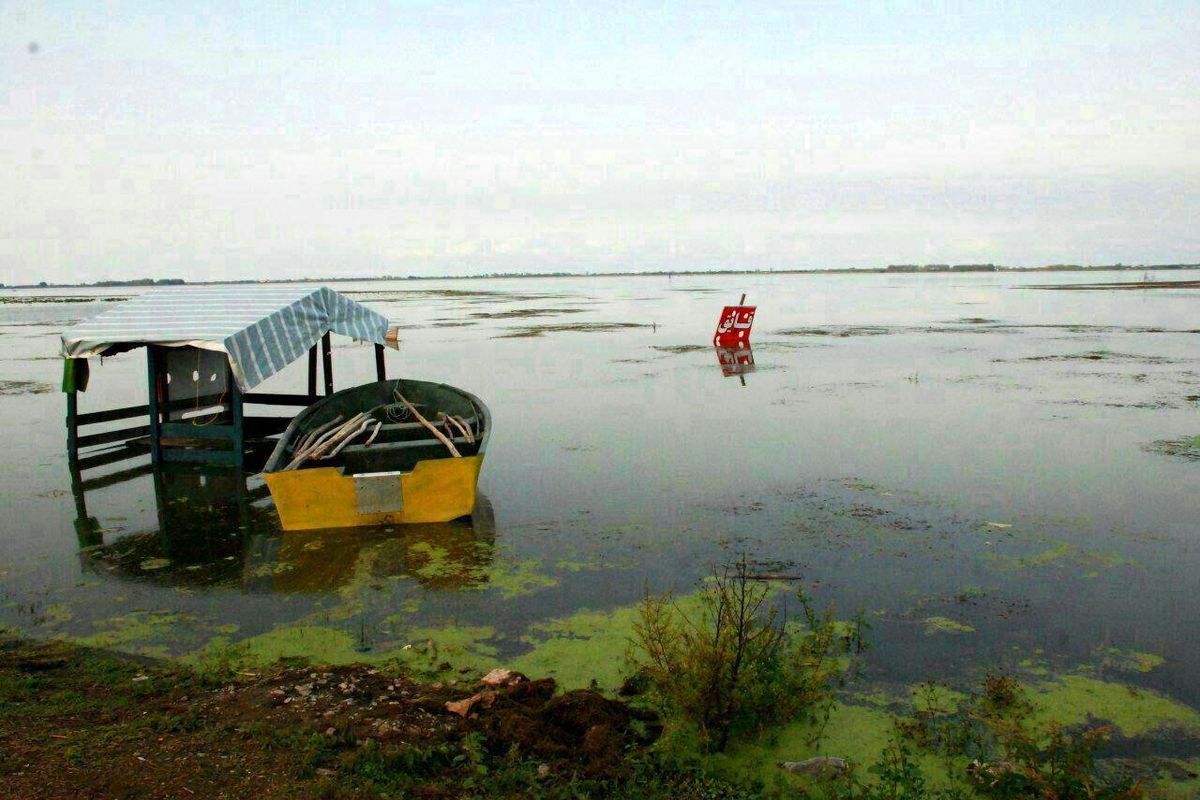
<point>318,644</point>
<point>459,646</point>
<point>945,625</point>
<point>437,566</point>
<point>588,646</point>
<point>56,614</point>
<point>1178,783</point>
<point>1131,660</point>
<point>1075,699</point>
<point>585,647</point>
<point>935,698</point>
<point>857,733</point>
<point>1035,667</point>
<point>134,631</point>
<point>418,648</point>
<point>516,578</point>
<point>1061,554</point>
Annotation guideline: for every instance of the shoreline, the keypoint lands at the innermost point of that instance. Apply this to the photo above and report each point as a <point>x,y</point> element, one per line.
<point>149,283</point>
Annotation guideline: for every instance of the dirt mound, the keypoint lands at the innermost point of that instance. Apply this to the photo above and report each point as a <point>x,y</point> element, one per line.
<point>579,726</point>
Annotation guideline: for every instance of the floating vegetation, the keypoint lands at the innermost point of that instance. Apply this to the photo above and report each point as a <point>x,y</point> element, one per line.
<point>135,631</point>
<point>24,387</point>
<point>1078,699</point>
<point>521,313</point>
<point>1062,553</point>
<point>1124,285</point>
<point>1187,448</point>
<point>569,327</point>
<point>945,625</point>
<point>839,330</point>
<point>467,295</point>
<point>679,349</point>
<point>56,298</point>
<point>1097,355</point>
<point>1130,660</point>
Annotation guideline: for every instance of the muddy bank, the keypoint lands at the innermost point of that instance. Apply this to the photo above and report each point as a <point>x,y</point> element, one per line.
<point>77,722</point>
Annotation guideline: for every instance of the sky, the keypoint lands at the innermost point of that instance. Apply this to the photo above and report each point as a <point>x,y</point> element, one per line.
<point>255,140</point>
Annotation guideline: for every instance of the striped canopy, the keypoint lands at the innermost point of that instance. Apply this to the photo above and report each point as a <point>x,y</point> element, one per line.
<point>261,328</point>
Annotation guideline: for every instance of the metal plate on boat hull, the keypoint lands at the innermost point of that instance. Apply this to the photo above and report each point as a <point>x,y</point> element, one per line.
<point>378,492</point>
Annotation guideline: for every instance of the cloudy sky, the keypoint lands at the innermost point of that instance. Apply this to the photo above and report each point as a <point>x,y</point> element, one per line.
<point>240,140</point>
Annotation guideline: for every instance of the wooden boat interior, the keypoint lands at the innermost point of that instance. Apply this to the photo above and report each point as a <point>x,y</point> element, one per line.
<point>397,440</point>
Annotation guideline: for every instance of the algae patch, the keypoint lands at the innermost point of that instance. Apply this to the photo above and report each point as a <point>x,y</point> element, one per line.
<point>586,646</point>
<point>856,733</point>
<point>24,387</point>
<point>1131,660</point>
<point>577,327</point>
<point>1074,699</point>
<point>1185,448</point>
<point>945,625</point>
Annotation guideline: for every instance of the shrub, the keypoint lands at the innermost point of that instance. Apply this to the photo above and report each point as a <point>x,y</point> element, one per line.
<point>733,665</point>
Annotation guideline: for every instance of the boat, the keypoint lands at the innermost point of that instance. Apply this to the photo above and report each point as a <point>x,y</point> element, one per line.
<point>382,453</point>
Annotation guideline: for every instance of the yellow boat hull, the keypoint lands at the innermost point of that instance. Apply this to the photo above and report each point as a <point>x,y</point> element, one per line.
<point>437,490</point>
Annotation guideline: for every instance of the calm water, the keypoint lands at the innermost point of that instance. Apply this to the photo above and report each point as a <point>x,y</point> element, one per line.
<point>917,447</point>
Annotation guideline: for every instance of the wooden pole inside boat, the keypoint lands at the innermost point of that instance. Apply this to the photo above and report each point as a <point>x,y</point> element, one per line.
<point>429,425</point>
<point>380,369</point>
<point>327,363</point>
<point>312,371</point>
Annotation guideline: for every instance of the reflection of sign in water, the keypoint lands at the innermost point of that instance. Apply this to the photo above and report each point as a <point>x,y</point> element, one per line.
<point>733,330</point>
<point>735,360</point>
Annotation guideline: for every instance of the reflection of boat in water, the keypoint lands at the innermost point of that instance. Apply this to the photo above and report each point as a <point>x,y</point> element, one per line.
<point>213,527</point>
<point>439,555</point>
<point>418,448</point>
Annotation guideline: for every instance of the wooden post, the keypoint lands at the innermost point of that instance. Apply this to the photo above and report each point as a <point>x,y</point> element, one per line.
<point>327,362</point>
<point>235,407</point>
<point>72,426</point>
<point>155,421</point>
<point>380,369</point>
<point>312,371</point>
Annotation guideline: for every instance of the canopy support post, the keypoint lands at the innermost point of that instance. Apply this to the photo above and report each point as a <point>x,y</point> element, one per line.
<point>380,369</point>
<point>72,426</point>
<point>327,362</point>
<point>152,372</point>
<point>235,408</point>
<point>312,371</point>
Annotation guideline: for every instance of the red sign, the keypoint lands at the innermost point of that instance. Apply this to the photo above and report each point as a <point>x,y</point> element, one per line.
<point>734,328</point>
<point>735,361</point>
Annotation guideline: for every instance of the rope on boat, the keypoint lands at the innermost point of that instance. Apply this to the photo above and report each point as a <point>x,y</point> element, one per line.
<point>429,425</point>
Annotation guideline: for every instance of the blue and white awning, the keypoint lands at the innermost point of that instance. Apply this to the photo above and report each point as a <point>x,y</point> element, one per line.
<point>261,328</point>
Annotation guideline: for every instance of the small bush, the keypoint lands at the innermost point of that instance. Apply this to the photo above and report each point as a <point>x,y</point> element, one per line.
<point>734,666</point>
